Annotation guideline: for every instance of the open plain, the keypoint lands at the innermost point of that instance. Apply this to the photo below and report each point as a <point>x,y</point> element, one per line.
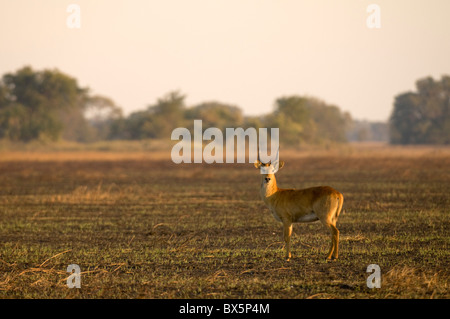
<point>140,226</point>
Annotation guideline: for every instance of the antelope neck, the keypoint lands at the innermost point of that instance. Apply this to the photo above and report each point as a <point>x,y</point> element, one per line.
<point>270,188</point>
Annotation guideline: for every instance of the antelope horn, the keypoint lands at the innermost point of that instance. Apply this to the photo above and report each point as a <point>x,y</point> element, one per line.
<point>259,160</point>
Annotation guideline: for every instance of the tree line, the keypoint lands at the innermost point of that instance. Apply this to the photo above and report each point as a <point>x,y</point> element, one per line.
<point>50,105</point>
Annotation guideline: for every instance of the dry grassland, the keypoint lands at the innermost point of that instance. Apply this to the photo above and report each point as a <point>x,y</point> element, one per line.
<point>140,226</point>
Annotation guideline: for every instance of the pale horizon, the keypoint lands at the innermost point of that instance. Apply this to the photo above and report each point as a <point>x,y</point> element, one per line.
<point>243,53</point>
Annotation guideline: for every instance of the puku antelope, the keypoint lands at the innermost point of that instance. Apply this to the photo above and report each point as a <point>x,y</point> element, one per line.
<point>301,206</point>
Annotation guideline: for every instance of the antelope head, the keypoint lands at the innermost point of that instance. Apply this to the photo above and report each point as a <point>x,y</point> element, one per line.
<point>269,169</point>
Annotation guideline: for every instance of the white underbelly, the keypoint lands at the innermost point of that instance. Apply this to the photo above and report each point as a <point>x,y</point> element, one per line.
<point>311,217</point>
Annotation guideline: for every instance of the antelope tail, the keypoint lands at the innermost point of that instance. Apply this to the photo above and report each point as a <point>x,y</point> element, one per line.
<point>339,208</point>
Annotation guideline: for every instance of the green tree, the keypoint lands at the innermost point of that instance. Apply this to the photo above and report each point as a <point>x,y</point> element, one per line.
<point>422,117</point>
<point>103,116</point>
<point>12,121</point>
<point>158,120</point>
<point>215,114</point>
<point>306,120</point>
<point>331,124</point>
<point>292,117</point>
<point>167,114</point>
<point>31,103</point>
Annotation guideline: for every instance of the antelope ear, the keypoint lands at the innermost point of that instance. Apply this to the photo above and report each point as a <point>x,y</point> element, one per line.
<point>280,165</point>
<point>257,164</point>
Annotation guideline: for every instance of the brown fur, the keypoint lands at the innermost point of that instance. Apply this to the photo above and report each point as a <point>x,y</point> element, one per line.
<point>302,205</point>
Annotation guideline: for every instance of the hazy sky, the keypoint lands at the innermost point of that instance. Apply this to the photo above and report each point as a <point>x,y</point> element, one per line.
<point>241,52</point>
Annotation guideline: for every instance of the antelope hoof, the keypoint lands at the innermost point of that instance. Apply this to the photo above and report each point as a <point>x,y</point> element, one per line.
<point>331,258</point>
